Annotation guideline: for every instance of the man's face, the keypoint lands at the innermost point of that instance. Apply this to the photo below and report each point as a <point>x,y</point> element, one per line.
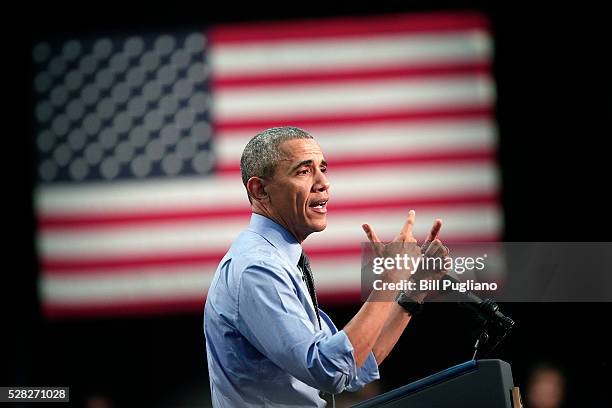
<point>299,190</point>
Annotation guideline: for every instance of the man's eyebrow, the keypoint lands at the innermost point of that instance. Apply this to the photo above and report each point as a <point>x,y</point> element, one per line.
<point>300,164</point>
<point>306,163</point>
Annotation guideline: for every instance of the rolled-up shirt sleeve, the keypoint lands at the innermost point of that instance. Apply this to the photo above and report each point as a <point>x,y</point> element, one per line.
<point>367,373</point>
<point>272,318</point>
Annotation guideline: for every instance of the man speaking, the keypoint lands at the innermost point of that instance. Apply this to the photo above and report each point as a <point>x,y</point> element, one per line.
<point>267,342</point>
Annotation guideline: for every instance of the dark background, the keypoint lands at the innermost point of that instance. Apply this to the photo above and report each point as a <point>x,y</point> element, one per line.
<point>554,109</point>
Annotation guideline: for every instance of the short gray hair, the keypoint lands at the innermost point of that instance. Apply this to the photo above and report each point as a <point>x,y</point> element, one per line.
<point>261,154</point>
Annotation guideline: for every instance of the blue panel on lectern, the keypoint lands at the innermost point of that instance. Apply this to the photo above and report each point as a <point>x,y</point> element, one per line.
<point>477,384</point>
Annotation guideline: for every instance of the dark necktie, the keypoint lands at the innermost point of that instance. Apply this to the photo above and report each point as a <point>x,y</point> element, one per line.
<point>304,265</point>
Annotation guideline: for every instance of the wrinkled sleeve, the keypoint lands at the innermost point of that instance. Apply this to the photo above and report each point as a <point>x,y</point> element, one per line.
<point>272,318</point>
<point>368,371</point>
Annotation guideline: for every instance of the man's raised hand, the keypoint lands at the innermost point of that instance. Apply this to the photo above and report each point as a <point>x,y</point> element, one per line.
<point>403,244</point>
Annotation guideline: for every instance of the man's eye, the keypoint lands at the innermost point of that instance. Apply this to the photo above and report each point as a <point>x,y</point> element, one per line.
<point>323,169</point>
<point>305,171</point>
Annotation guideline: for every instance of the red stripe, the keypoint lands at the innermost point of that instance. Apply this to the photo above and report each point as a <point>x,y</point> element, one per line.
<point>73,221</point>
<point>79,266</point>
<point>123,307</point>
<point>350,74</point>
<point>346,27</point>
<point>134,264</point>
<point>87,220</point>
<point>334,128</point>
<point>126,308</point>
<point>387,159</point>
<point>304,121</point>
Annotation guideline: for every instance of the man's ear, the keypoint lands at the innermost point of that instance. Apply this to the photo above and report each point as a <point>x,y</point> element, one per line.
<point>256,188</point>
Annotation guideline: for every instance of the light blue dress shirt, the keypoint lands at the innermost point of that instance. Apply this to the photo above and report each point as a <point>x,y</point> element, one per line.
<point>263,342</point>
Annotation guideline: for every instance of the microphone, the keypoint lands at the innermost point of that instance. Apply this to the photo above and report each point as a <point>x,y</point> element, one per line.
<point>486,309</point>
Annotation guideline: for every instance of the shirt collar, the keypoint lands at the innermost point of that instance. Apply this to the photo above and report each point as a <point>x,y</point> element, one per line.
<point>278,236</point>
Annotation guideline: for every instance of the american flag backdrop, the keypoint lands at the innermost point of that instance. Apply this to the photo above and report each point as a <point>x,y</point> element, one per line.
<point>138,139</point>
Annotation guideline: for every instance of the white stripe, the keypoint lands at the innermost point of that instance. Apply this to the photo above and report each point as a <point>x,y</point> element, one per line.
<point>369,96</point>
<point>140,195</point>
<point>365,52</point>
<point>373,139</point>
<point>158,284</point>
<point>347,184</point>
<point>344,229</point>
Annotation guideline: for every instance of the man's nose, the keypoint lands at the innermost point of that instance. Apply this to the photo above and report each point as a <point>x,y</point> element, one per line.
<point>322,184</point>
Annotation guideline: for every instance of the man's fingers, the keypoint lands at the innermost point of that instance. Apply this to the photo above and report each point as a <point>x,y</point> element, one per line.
<point>433,234</point>
<point>376,242</point>
<point>435,230</point>
<point>406,231</point>
<point>371,233</point>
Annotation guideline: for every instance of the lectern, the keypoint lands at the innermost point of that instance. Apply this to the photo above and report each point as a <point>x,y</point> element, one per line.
<point>474,384</point>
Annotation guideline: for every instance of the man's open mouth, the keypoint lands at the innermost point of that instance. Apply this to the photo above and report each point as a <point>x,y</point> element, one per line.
<point>319,206</point>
